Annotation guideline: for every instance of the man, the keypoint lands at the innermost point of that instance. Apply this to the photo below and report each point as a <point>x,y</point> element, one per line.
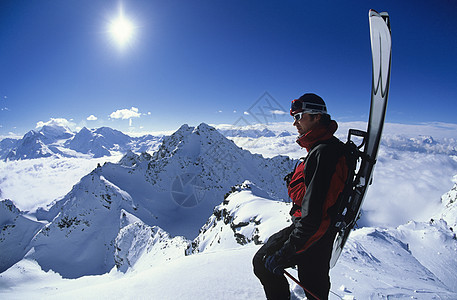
<point>314,188</point>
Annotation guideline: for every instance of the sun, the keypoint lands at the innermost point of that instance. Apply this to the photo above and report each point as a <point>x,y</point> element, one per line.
<point>121,29</point>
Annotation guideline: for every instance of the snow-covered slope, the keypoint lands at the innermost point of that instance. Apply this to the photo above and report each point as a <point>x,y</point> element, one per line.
<point>6,145</point>
<point>381,264</point>
<point>16,231</point>
<point>414,261</point>
<point>246,215</point>
<point>139,246</point>
<point>448,210</point>
<point>388,261</point>
<point>80,238</point>
<point>434,245</point>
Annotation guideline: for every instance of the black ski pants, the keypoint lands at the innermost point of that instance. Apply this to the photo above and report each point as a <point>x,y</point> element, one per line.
<point>313,267</point>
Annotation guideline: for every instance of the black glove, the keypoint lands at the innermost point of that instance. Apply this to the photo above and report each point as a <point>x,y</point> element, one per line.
<point>274,265</point>
<point>288,178</point>
<point>281,259</point>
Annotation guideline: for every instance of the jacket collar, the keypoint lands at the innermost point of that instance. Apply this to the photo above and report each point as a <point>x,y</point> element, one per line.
<point>317,134</point>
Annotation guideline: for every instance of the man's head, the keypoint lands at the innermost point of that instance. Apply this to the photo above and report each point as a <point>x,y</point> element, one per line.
<point>309,111</point>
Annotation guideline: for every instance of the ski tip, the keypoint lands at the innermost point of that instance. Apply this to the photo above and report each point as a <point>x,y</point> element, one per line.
<point>372,12</point>
<point>384,15</point>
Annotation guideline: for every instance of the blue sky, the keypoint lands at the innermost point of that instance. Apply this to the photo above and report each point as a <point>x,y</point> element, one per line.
<point>213,61</point>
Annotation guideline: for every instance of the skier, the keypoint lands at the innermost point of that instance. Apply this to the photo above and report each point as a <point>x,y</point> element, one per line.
<point>314,187</point>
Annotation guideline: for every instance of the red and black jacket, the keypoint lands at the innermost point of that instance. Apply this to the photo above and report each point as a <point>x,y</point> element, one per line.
<point>314,189</point>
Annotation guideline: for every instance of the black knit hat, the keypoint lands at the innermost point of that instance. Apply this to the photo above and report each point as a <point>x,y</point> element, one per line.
<point>308,103</point>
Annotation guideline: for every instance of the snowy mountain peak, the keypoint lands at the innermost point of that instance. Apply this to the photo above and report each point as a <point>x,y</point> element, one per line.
<point>128,218</point>
<point>217,162</point>
<point>84,130</point>
<point>79,240</point>
<point>193,142</point>
<point>59,141</point>
<point>183,129</point>
<point>203,127</point>
<point>56,132</point>
<point>32,134</point>
<point>8,207</point>
<point>113,135</point>
<point>32,145</point>
<point>131,159</point>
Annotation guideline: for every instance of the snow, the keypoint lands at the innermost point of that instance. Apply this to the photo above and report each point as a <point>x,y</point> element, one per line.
<point>377,265</point>
<point>366,271</point>
<point>246,215</point>
<point>224,274</point>
<point>16,233</point>
<point>112,228</point>
<point>435,238</point>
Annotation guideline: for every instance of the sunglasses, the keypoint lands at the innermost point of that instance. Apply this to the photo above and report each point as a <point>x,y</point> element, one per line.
<point>298,116</point>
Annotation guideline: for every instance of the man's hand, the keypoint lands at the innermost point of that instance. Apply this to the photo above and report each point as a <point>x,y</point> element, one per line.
<point>274,265</point>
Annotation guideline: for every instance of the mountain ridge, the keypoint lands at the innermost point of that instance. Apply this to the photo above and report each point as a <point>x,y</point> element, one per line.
<point>60,141</point>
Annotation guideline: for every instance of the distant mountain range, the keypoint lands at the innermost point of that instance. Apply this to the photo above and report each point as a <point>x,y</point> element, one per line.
<point>59,141</point>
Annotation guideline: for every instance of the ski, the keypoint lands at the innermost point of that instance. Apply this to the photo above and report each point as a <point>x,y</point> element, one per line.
<point>361,177</point>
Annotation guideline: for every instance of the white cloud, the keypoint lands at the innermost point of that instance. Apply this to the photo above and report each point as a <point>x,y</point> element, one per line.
<point>246,113</point>
<point>278,112</point>
<point>40,174</point>
<point>92,118</point>
<point>125,114</point>
<point>56,122</point>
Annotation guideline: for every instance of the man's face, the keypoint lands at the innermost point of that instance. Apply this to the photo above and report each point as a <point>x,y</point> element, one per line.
<point>306,123</point>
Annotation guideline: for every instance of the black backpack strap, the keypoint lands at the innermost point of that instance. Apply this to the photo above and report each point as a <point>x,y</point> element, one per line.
<point>288,177</point>
<point>352,155</point>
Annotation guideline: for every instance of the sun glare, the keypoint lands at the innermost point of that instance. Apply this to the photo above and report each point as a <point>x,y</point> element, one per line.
<point>122,30</point>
